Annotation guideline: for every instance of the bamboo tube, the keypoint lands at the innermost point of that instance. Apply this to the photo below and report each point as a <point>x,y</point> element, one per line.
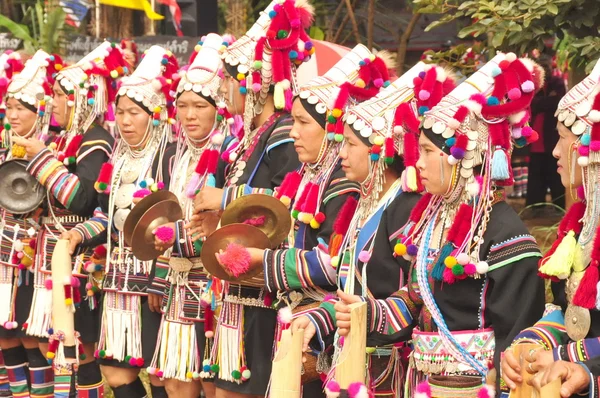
<point>523,390</point>
<point>550,390</point>
<point>63,318</point>
<point>287,366</point>
<point>351,367</point>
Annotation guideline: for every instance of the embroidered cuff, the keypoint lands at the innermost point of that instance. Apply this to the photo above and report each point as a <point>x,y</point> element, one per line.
<point>324,320</point>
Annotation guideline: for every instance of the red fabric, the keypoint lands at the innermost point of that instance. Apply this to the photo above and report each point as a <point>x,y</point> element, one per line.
<point>538,125</point>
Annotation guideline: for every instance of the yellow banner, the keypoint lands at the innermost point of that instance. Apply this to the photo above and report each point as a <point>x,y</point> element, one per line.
<point>135,5</point>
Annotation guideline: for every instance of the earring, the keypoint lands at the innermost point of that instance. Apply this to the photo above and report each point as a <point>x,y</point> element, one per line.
<point>442,166</point>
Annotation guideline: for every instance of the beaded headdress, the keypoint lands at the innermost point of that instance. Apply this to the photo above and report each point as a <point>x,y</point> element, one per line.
<point>269,53</point>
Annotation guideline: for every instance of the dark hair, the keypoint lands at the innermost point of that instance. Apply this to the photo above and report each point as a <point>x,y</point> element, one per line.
<point>397,165</point>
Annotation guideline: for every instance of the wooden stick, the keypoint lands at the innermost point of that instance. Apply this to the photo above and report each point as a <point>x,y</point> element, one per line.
<point>336,14</point>
<point>523,390</point>
<point>351,367</point>
<point>353,20</point>
<point>287,366</point>
<point>550,390</point>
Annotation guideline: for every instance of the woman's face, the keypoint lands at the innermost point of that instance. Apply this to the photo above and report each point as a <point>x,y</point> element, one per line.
<point>20,118</point>
<point>563,152</point>
<point>230,89</point>
<point>132,120</point>
<point>196,114</point>
<point>60,110</point>
<point>355,157</point>
<point>429,168</point>
<point>308,135</point>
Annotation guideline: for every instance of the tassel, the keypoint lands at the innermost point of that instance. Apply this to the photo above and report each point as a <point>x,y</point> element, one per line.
<point>587,291</point>
<point>235,259</point>
<point>561,262</point>
<point>487,391</point>
<point>500,165</point>
<point>279,96</point>
<point>438,270</point>
<point>423,390</point>
<point>103,182</point>
<point>192,187</point>
<point>410,179</point>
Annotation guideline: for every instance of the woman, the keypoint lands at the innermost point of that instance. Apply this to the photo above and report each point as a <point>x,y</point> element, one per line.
<point>185,292</point>
<point>27,120</point>
<point>568,334</point>
<point>259,76</point>
<point>140,162</point>
<point>472,259</point>
<point>373,129</point>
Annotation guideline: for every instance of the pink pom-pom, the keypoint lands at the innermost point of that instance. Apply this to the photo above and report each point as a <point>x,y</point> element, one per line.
<point>141,193</point>
<point>470,269</point>
<point>424,95</point>
<point>160,374</point>
<point>527,86</point>
<point>151,370</point>
<point>97,354</point>
<point>284,316</point>
<point>160,185</point>
<point>132,361</point>
<point>332,387</point>
<point>88,286</point>
<point>583,150</point>
<point>342,341</point>
<point>462,258</point>
<point>75,282</point>
<point>514,93</point>
<point>256,87</point>
<point>20,255</point>
<point>448,276</point>
<point>424,389</point>
<point>22,266</point>
<point>164,233</point>
<point>595,146</point>
<point>517,132</point>
<point>358,390</point>
<point>235,259</point>
<point>378,82</point>
<point>364,256</point>
<point>486,391</point>
<point>526,131</point>
<point>209,334</point>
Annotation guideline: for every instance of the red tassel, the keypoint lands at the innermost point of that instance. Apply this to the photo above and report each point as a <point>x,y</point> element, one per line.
<point>202,163</point>
<point>390,150</point>
<point>411,149</point>
<point>586,292</point>
<point>208,319</point>
<point>342,222</point>
<point>462,223</point>
<point>213,161</point>
<point>300,202</point>
<point>100,251</point>
<point>461,113</point>
<point>73,146</point>
<point>105,174</point>
<point>311,202</point>
<point>419,209</point>
<point>461,141</point>
<point>289,185</point>
<point>342,98</point>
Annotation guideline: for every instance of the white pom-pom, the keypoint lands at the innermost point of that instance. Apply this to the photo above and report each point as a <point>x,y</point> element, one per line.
<point>397,130</point>
<point>363,392</point>
<point>420,395</point>
<point>440,75</point>
<point>88,66</point>
<point>427,67</point>
<point>286,84</point>
<point>230,121</point>
<point>517,117</point>
<point>482,267</point>
<point>70,104</point>
<point>300,46</point>
<point>18,246</point>
<point>156,85</point>
<point>453,124</point>
<point>583,161</point>
<point>232,157</point>
<point>474,106</point>
<point>594,116</point>
<point>452,160</point>
<point>31,232</point>
<point>217,139</point>
<point>285,315</point>
<point>510,57</point>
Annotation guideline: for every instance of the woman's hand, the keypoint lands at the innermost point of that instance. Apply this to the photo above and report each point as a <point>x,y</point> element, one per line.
<point>32,146</point>
<point>575,378</point>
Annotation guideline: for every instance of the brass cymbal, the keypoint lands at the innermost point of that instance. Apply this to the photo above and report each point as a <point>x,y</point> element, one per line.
<point>242,234</point>
<point>140,208</point>
<point>20,192</point>
<point>277,223</point>
<point>142,239</point>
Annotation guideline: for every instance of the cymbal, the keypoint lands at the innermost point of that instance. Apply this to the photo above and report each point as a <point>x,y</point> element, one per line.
<point>140,208</point>
<point>142,239</point>
<point>20,192</point>
<point>242,234</point>
<point>277,223</point>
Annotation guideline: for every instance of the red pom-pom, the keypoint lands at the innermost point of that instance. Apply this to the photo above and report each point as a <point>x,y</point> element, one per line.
<point>504,65</point>
<point>235,259</point>
<point>320,217</point>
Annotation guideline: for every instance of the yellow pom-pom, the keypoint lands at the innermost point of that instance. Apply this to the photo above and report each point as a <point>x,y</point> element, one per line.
<point>314,224</point>
<point>114,74</point>
<point>197,47</point>
<point>336,113</point>
<point>42,102</point>
<point>52,145</point>
<point>286,201</point>
<point>378,140</point>
<point>50,355</point>
<point>222,48</point>
<point>241,76</point>
<point>360,83</point>
<point>154,187</point>
<point>169,53</point>
<point>335,261</point>
<point>189,375</point>
<point>90,293</point>
<point>68,301</point>
<point>400,249</point>
<point>157,109</point>
<point>372,57</point>
<point>58,67</point>
<point>311,51</point>
<point>450,261</point>
<point>371,350</point>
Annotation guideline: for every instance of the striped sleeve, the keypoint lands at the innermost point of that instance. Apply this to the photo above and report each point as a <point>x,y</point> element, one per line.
<point>185,246</point>
<point>549,331</point>
<point>158,282</point>
<point>323,318</point>
<point>391,315</point>
<point>93,226</point>
<point>293,269</point>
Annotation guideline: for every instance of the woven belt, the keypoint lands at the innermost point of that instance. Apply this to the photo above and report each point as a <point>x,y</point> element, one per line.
<point>431,357</point>
<point>73,219</point>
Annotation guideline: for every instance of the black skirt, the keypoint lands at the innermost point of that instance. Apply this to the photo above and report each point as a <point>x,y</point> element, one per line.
<point>23,301</point>
<point>259,335</point>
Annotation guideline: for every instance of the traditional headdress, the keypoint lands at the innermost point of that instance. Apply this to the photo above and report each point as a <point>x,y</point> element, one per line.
<point>358,76</point>
<point>477,124</point>
<point>269,53</point>
<point>90,85</point>
<point>204,77</point>
<point>33,88</point>
<point>10,64</point>
<point>149,87</point>
<point>579,110</point>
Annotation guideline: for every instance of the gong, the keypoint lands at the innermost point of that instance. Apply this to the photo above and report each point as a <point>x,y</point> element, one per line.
<point>242,234</point>
<point>275,216</point>
<point>140,208</point>
<point>20,192</point>
<point>142,239</point>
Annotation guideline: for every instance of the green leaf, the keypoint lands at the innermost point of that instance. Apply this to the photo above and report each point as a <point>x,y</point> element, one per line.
<point>552,8</point>
<point>498,38</point>
<point>17,30</point>
<point>316,33</point>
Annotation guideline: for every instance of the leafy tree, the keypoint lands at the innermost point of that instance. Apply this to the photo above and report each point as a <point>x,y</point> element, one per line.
<point>524,25</point>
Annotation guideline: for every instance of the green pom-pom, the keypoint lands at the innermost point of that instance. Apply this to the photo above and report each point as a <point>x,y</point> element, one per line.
<point>258,64</point>
<point>214,368</point>
<point>282,34</point>
<point>338,137</point>
<point>103,186</point>
<point>458,270</point>
<point>295,214</point>
<point>83,357</point>
<point>219,118</point>
<point>128,358</point>
<point>389,160</point>
<point>102,353</point>
<point>236,374</point>
<point>6,126</point>
<point>331,119</point>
